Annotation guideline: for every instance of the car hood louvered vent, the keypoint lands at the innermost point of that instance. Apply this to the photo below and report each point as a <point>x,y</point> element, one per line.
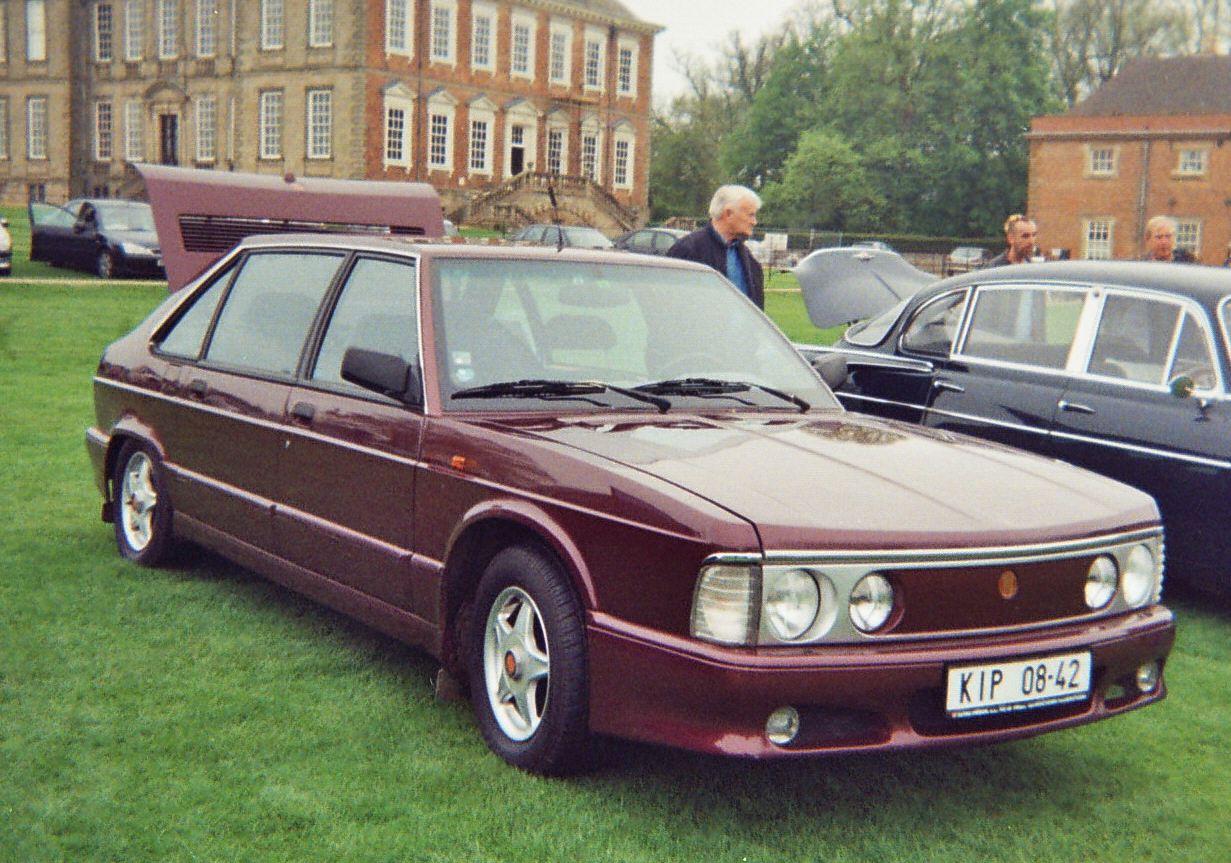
<point>221,233</point>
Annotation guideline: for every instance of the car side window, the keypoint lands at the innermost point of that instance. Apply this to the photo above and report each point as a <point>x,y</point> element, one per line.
<point>377,311</point>
<point>934,326</point>
<point>1029,326</point>
<point>1192,354</point>
<point>643,241</point>
<point>663,241</point>
<point>270,309</point>
<point>187,335</point>
<point>1135,338</point>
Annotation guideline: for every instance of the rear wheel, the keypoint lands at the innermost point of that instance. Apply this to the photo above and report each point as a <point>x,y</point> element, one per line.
<point>527,664</point>
<point>142,507</point>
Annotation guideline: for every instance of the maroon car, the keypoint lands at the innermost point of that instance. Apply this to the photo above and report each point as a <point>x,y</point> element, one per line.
<point>611,498</point>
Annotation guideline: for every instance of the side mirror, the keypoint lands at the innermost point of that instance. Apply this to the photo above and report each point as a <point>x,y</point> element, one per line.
<point>1182,386</point>
<point>383,373</point>
<point>832,369</point>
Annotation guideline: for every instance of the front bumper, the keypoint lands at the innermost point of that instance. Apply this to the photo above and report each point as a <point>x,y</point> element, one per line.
<point>646,685</point>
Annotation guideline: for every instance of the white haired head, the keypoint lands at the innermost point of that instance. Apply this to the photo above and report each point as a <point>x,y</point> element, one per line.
<point>729,196</point>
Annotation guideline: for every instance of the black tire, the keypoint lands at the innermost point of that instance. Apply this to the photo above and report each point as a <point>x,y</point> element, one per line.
<point>549,733</point>
<point>142,507</point>
<point>105,265</point>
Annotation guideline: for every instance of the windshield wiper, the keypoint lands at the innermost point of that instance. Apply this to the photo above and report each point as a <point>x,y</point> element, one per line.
<point>556,389</point>
<point>716,387</point>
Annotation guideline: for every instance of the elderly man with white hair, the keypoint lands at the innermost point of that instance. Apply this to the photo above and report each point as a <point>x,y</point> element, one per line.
<point>720,244</point>
<point>1160,242</point>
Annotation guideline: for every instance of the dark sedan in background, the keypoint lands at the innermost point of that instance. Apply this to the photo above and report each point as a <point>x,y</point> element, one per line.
<point>109,237</point>
<point>1120,367</point>
<point>564,236</point>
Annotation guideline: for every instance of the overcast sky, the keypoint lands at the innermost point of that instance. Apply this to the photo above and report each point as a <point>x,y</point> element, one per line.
<point>696,26</point>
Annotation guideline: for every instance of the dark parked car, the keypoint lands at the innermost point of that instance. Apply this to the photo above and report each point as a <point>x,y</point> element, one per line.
<point>649,241</point>
<point>1116,366</point>
<point>6,248</point>
<point>544,468</point>
<point>106,236</point>
<point>565,236</point>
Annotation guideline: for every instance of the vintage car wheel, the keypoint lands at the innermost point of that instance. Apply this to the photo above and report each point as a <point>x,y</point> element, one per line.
<point>106,265</point>
<point>528,676</point>
<point>142,507</point>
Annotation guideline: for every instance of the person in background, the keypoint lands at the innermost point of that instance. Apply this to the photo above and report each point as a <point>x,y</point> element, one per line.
<point>1021,236</point>
<point>1227,260</point>
<point>1160,242</point>
<point>720,244</point>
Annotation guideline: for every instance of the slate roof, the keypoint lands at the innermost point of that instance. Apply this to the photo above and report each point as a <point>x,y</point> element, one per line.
<point>1199,84</point>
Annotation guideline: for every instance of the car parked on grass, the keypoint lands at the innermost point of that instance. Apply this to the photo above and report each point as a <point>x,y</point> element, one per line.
<point>543,468</point>
<point>106,236</point>
<point>1120,367</point>
<point>649,241</point>
<point>6,248</point>
<point>563,236</point>
<point>963,259</point>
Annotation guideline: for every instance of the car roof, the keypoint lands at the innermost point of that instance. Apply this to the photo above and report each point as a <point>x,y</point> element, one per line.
<point>1205,284</point>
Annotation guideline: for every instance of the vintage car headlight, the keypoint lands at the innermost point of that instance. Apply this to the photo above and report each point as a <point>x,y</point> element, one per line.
<point>726,604</point>
<point>792,600</point>
<point>1140,572</point>
<point>1101,581</point>
<point>871,602</point>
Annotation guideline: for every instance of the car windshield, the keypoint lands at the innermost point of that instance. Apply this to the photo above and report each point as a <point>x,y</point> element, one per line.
<point>125,217</point>
<point>502,321</point>
<point>586,238</point>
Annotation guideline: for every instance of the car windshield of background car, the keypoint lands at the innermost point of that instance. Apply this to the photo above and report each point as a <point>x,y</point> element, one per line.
<point>873,331</point>
<point>507,320</point>
<point>125,217</point>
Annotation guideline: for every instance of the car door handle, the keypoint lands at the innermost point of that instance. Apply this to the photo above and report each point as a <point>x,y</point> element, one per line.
<point>198,387</point>
<point>303,411</point>
<point>947,386</point>
<point>1074,407</point>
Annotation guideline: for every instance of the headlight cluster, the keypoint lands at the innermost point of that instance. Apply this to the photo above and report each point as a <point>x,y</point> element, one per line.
<point>748,604</point>
<point>136,250</point>
<point>1135,573</point>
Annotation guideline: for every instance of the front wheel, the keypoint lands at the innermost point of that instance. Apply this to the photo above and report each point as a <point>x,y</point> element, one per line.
<point>105,265</point>
<point>527,664</point>
<point>142,507</point>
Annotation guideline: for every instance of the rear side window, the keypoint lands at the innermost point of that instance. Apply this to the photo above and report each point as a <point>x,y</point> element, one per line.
<point>931,331</point>
<point>270,310</point>
<point>1139,339</point>
<point>1026,326</point>
<point>187,335</point>
<point>377,311</point>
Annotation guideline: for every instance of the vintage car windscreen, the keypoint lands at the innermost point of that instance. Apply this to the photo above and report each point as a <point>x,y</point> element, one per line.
<point>1024,325</point>
<point>509,320</point>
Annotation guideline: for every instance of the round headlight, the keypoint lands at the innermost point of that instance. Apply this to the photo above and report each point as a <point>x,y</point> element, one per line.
<point>792,601</point>
<point>1139,576</point>
<point>871,602</point>
<point>1101,582</point>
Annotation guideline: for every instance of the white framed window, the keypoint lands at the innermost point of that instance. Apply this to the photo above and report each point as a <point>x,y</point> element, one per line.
<point>134,139</point>
<point>4,125</point>
<point>36,127</point>
<point>320,124</point>
<point>482,32</point>
<point>1188,236</point>
<point>442,43</point>
<point>36,33</point>
<point>207,128</point>
<point>626,68</point>
<point>591,149</point>
<point>104,34</point>
<point>1101,161</point>
<point>593,73</point>
<point>320,23</point>
<point>270,123</point>
<point>399,111</point>
<point>103,131</point>
<point>482,128</point>
<point>560,52</point>
<point>134,30</point>
<point>1098,235</point>
<point>521,52</point>
<point>555,151</point>
<point>1193,161</point>
<point>520,139</point>
<point>623,156</point>
<point>168,29</point>
<point>440,124</point>
<point>398,23</point>
<point>273,25</point>
<point>207,28</point>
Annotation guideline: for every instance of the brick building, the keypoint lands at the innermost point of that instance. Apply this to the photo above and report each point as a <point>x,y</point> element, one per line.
<point>1152,140</point>
<point>490,101</point>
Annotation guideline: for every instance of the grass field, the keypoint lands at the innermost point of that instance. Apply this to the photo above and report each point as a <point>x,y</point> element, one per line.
<point>201,714</point>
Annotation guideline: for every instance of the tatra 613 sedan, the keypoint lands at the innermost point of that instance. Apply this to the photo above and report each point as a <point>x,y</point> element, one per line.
<point>611,498</point>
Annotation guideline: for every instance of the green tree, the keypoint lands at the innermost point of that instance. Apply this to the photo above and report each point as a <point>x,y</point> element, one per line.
<point>824,183</point>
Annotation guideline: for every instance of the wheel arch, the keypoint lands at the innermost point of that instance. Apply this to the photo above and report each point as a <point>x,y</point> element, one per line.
<point>128,429</point>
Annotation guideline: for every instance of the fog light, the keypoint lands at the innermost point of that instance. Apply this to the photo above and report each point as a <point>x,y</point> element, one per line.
<point>783,725</point>
<point>1101,580</point>
<point>1147,676</point>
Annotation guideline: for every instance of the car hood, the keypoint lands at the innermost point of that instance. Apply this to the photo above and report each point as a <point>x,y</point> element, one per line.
<point>149,239</point>
<point>847,481</point>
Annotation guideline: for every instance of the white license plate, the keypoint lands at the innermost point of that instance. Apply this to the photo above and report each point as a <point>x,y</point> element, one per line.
<point>1026,684</point>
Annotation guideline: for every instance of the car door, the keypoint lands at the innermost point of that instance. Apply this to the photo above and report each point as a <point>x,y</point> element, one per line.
<point>1121,418</point>
<point>223,447</point>
<point>348,458</point>
<point>82,242</point>
<point>51,232</point>
<point>1009,369</point>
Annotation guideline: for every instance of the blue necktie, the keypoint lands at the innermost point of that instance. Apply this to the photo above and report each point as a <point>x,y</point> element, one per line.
<point>735,268</point>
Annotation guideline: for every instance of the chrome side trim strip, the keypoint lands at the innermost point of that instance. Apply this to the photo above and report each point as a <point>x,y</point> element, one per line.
<point>1161,453</point>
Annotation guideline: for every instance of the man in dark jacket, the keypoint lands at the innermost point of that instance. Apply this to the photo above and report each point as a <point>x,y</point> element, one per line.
<point>1160,242</point>
<point>1020,237</point>
<point>720,244</point>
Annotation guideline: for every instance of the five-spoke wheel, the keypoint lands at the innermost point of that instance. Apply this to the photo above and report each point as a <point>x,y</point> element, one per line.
<point>142,509</point>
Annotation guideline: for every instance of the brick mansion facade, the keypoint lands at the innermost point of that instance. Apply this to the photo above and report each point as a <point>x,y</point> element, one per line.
<point>490,101</point>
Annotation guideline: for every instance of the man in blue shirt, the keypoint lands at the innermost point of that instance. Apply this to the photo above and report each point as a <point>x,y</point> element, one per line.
<point>720,244</point>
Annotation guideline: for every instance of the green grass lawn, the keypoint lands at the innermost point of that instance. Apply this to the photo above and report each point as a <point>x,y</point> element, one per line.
<point>201,714</point>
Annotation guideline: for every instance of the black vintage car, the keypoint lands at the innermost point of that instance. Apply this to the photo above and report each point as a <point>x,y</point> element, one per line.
<point>106,236</point>
<point>1115,366</point>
